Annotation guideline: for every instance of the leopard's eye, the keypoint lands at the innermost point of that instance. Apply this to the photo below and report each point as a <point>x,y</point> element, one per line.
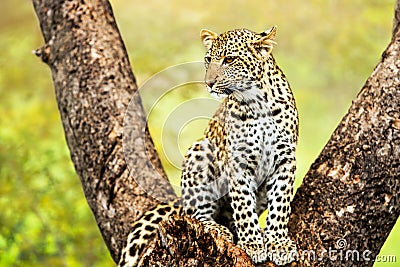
<point>229,59</point>
<point>207,59</point>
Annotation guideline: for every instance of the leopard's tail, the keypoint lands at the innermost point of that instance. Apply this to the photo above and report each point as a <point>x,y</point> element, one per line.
<point>144,230</point>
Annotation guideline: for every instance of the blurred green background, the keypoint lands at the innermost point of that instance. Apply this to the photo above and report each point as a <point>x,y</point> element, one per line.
<point>326,48</point>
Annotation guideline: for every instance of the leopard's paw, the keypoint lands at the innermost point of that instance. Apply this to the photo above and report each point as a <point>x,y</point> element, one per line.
<point>212,227</point>
<point>281,251</point>
<point>256,251</point>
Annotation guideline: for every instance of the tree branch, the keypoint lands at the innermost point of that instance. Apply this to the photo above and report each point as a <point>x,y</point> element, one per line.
<point>352,191</point>
<point>94,83</point>
<point>396,20</point>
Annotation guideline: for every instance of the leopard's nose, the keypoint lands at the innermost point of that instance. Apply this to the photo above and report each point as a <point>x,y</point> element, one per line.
<point>210,83</point>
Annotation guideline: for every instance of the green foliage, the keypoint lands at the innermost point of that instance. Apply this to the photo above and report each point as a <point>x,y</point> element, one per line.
<point>326,48</point>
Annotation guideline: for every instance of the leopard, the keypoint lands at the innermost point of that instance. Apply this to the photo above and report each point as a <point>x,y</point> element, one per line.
<point>245,162</point>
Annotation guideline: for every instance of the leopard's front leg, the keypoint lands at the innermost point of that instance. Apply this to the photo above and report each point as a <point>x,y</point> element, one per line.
<point>199,187</point>
<point>242,187</point>
<point>281,248</point>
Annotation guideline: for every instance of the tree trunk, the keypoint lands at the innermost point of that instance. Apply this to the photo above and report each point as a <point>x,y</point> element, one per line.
<point>94,83</point>
<point>349,200</point>
<point>350,197</point>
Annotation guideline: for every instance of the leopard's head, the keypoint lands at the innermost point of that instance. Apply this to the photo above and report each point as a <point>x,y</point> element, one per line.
<point>235,60</point>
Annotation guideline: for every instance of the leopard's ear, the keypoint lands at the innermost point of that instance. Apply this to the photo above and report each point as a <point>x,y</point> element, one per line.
<point>265,42</point>
<point>207,37</point>
<point>269,33</point>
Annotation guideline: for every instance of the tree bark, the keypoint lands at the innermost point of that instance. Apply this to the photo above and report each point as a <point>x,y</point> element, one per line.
<point>94,83</point>
<point>349,199</point>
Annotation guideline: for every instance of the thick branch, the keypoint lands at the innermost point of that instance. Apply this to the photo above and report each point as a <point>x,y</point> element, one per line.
<point>94,84</point>
<point>352,191</point>
<point>396,20</point>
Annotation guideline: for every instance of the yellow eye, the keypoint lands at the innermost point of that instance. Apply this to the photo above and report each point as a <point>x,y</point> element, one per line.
<point>229,59</point>
<point>207,59</point>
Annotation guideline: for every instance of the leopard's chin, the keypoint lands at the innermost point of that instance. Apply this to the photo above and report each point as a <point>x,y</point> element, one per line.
<point>218,95</point>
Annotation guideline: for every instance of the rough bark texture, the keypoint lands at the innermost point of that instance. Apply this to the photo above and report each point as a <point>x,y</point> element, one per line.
<point>350,193</point>
<point>94,83</point>
<point>183,242</point>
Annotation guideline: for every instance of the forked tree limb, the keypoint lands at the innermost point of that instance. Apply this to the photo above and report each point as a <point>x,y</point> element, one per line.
<point>350,197</point>
<point>94,83</point>
<point>351,192</point>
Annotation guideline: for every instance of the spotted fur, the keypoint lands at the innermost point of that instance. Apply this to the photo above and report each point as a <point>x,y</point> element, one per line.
<point>245,163</point>
<point>144,230</point>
